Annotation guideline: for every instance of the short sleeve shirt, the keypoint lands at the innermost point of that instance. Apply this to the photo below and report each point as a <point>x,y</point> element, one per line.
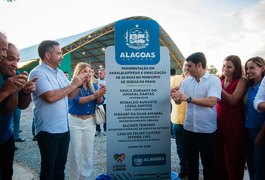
<point>178,111</point>
<point>199,118</point>
<point>52,118</point>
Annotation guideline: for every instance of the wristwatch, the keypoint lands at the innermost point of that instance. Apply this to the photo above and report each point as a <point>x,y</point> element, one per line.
<point>189,99</point>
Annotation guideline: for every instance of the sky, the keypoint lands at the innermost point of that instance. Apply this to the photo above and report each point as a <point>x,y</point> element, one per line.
<point>218,28</point>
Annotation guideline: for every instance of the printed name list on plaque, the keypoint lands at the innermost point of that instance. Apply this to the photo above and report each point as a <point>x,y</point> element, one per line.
<point>138,103</point>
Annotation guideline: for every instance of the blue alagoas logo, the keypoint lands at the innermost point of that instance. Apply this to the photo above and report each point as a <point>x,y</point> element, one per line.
<point>137,42</point>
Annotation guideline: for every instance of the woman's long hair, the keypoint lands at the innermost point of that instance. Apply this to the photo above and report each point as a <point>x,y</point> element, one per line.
<point>238,67</point>
<point>259,62</point>
<point>78,68</point>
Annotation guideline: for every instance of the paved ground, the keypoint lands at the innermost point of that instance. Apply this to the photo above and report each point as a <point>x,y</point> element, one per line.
<point>23,173</point>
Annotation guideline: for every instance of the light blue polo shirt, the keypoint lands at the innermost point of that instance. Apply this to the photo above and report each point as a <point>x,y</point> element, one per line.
<point>52,118</point>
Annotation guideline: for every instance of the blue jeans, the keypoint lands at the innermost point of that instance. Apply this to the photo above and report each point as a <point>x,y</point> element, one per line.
<point>15,123</point>
<point>53,151</point>
<point>178,132</point>
<point>255,157</point>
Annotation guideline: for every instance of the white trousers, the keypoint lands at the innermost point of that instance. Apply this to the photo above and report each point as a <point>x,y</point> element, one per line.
<point>80,155</point>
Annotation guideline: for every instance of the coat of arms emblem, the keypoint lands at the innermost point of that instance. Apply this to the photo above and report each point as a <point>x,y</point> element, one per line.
<point>137,38</point>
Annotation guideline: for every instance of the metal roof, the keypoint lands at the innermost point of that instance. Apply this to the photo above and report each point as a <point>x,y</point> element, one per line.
<point>89,46</point>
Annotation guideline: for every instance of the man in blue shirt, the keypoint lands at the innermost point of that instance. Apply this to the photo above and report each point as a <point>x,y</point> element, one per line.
<point>50,109</point>
<point>15,91</point>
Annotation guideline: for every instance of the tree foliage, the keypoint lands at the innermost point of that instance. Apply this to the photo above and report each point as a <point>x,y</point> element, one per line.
<point>212,69</point>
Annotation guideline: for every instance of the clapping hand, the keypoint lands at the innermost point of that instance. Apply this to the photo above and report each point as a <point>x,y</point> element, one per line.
<point>80,79</point>
<point>15,83</point>
<point>30,86</point>
<point>21,80</point>
<point>101,91</point>
<point>177,96</point>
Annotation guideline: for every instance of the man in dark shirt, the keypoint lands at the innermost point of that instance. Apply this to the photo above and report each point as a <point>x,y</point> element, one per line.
<point>15,90</point>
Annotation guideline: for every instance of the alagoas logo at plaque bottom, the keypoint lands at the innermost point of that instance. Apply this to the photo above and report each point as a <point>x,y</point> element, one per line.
<point>149,159</point>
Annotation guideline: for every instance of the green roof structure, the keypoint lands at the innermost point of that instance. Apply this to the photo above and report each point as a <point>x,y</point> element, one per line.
<point>90,47</point>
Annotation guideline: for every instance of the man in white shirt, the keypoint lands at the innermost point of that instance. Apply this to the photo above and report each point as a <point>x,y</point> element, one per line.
<point>201,91</point>
<point>259,102</point>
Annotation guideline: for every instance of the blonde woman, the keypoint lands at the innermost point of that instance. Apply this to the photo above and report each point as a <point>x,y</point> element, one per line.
<point>82,125</point>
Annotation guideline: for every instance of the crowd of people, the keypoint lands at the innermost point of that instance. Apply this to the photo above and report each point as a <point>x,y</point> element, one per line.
<point>224,120</point>
<point>61,109</point>
<point>220,120</point>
